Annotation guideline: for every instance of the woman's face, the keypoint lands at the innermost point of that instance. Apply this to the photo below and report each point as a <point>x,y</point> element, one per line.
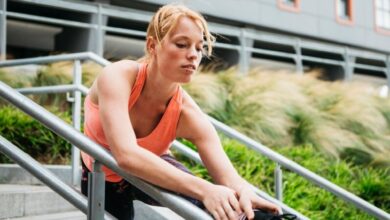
<point>180,52</point>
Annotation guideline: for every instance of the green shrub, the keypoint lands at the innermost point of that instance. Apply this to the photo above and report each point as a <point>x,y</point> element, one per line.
<point>32,137</point>
<point>316,203</point>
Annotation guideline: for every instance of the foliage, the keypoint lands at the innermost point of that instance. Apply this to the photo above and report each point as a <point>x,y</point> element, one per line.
<point>366,182</point>
<point>32,137</point>
<point>343,120</point>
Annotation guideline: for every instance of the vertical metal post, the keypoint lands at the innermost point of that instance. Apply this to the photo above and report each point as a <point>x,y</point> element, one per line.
<point>99,30</point>
<point>348,64</point>
<point>388,73</point>
<point>76,117</point>
<point>243,60</point>
<point>96,189</point>
<point>278,183</point>
<point>3,30</point>
<point>298,56</point>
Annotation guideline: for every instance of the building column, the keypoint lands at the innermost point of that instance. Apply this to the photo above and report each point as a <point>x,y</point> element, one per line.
<point>244,55</point>
<point>91,39</point>
<point>3,30</point>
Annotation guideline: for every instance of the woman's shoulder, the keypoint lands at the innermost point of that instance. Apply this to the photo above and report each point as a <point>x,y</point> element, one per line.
<point>122,67</point>
<point>189,108</point>
<point>123,70</point>
<point>115,76</point>
<point>192,119</point>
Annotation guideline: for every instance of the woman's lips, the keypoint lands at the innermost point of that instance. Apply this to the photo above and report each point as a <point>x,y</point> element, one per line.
<point>189,68</point>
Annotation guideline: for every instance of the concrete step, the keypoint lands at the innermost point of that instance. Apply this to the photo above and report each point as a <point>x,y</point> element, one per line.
<point>14,174</point>
<point>40,202</point>
<point>27,200</point>
<point>74,215</point>
<point>24,196</point>
<point>143,212</point>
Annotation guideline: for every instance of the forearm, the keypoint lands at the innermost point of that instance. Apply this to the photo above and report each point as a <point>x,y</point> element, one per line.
<point>232,180</point>
<point>153,169</point>
<point>224,173</point>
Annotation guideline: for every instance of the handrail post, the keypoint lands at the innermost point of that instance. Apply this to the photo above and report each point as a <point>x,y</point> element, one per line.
<point>96,190</point>
<point>3,30</point>
<point>387,73</point>
<point>278,182</point>
<point>349,62</point>
<point>298,56</point>
<point>76,117</point>
<point>244,54</point>
<point>99,30</point>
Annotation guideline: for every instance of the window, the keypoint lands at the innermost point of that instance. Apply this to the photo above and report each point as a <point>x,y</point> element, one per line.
<point>382,14</point>
<point>344,11</point>
<point>289,5</point>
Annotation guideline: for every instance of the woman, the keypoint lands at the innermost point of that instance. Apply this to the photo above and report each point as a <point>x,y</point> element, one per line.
<point>136,110</point>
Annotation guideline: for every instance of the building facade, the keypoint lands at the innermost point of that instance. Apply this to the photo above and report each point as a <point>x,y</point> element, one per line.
<point>346,38</point>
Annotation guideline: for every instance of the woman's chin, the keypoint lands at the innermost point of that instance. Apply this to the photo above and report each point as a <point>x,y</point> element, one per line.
<point>187,80</point>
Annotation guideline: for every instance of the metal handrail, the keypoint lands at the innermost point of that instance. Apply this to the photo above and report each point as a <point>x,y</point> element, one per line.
<point>56,58</point>
<point>45,175</point>
<point>181,206</point>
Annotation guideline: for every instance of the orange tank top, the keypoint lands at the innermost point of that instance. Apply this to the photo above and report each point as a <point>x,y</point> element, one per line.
<point>158,141</point>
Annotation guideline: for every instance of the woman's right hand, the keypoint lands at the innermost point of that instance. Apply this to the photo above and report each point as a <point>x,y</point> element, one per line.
<point>221,202</point>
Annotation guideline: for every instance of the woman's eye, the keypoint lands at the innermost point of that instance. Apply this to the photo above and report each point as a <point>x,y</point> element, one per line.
<point>179,45</point>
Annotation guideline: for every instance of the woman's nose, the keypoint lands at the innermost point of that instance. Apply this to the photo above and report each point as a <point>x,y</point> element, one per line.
<point>193,53</point>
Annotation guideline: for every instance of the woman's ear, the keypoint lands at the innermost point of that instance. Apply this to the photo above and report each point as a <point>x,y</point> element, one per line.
<point>151,45</point>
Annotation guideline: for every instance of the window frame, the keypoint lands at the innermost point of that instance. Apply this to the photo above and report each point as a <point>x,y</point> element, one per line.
<point>379,29</point>
<point>350,19</point>
<point>296,7</point>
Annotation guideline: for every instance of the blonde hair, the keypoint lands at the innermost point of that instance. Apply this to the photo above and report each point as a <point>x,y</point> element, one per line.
<point>166,19</point>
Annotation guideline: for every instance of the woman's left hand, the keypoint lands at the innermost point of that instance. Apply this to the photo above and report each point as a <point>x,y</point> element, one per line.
<point>249,200</point>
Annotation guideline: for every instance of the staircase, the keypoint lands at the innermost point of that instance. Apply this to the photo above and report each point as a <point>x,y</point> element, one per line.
<point>23,197</point>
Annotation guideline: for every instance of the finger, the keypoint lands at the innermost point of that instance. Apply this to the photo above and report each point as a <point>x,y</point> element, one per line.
<point>235,204</point>
<point>215,215</point>
<point>267,205</point>
<point>229,211</point>
<point>221,213</point>
<point>246,205</point>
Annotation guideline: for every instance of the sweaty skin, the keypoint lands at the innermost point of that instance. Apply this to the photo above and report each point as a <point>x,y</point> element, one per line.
<point>173,61</point>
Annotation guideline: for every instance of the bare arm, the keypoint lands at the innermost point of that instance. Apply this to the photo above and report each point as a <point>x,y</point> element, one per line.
<point>198,129</point>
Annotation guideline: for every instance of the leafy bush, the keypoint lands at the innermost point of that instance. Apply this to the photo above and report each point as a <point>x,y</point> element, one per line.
<point>32,137</point>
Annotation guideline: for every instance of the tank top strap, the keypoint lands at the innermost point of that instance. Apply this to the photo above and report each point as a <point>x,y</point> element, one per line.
<point>138,84</point>
<point>179,96</point>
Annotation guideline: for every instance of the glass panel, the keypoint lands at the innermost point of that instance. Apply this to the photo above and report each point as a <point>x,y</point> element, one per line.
<point>342,8</point>
<point>387,20</point>
<point>289,2</point>
<point>386,5</point>
<point>379,18</point>
<point>379,4</point>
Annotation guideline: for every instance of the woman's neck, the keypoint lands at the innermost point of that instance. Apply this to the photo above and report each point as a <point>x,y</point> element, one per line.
<point>157,88</point>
